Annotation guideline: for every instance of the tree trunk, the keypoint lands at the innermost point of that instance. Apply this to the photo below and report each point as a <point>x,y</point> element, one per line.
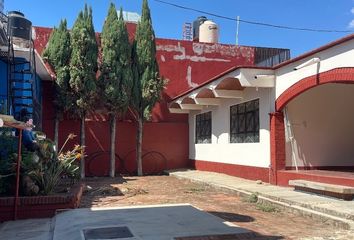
<point>113,122</point>
<point>82,141</point>
<point>56,132</point>
<point>139,140</point>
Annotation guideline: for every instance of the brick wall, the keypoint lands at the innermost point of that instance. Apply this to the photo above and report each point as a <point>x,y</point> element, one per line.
<point>277,144</point>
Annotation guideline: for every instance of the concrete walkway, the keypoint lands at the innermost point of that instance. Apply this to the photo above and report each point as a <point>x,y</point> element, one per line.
<point>338,212</point>
<point>30,229</point>
<point>153,222</point>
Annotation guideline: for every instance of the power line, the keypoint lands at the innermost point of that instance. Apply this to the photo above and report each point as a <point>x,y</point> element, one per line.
<point>253,22</point>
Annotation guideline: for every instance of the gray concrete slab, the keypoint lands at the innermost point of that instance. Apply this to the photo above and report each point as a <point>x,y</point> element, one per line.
<point>322,186</point>
<point>30,229</point>
<point>158,222</point>
<point>323,207</point>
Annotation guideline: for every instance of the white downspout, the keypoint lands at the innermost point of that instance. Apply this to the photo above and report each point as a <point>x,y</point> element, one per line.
<point>291,137</point>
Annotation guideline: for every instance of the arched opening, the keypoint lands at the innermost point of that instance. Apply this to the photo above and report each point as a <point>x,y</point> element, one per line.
<point>320,128</point>
<point>316,140</point>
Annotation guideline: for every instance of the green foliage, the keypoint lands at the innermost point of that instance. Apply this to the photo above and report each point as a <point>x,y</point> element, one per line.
<point>58,53</point>
<point>147,83</point>
<point>63,98</point>
<point>116,74</point>
<point>8,159</point>
<point>195,190</point>
<point>83,63</point>
<point>253,198</point>
<point>261,205</point>
<point>44,167</point>
<point>48,171</point>
<point>266,207</point>
<point>8,149</point>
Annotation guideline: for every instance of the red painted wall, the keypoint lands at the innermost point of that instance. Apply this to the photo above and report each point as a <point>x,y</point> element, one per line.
<point>186,65</point>
<point>242,171</point>
<point>165,144</point>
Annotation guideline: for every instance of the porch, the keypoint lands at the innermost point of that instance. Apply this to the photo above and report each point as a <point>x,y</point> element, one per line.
<point>315,130</point>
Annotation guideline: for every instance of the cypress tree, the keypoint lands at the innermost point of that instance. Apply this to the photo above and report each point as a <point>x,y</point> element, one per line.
<point>147,83</point>
<point>83,68</point>
<point>116,75</point>
<point>58,54</point>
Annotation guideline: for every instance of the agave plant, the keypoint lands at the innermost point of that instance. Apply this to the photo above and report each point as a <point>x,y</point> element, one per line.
<point>51,168</point>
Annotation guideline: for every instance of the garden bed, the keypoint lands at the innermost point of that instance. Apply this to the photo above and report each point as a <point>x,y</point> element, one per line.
<point>40,206</point>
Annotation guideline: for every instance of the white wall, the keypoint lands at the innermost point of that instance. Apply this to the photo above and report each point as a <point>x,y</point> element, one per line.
<point>322,120</point>
<point>220,150</point>
<point>336,57</point>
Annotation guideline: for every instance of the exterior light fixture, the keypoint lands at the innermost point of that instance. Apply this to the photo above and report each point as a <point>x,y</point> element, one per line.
<point>265,76</point>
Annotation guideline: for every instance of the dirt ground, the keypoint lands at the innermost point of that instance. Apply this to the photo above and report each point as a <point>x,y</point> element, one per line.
<point>261,219</point>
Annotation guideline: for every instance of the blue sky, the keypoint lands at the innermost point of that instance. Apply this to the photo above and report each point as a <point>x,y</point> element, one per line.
<point>168,21</point>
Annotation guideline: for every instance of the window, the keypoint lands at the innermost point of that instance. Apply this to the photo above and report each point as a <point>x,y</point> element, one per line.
<point>244,122</point>
<point>203,128</point>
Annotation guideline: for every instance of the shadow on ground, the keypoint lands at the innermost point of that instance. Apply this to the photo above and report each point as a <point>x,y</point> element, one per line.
<point>238,236</point>
<point>233,217</point>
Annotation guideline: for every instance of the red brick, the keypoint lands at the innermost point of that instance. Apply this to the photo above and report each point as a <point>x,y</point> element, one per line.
<point>277,143</point>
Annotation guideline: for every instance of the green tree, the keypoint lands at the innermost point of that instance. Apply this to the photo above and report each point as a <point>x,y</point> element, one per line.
<point>58,54</point>
<point>83,68</point>
<point>116,74</point>
<point>147,83</point>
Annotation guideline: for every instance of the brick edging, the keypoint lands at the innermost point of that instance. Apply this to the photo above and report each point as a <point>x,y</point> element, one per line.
<point>40,206</point>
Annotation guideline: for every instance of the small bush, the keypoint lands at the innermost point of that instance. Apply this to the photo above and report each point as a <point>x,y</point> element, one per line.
<point>266,207</point>
<point>253,198</point>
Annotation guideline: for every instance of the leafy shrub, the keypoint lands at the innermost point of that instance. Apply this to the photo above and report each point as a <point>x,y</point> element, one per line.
<point>253,198</point>
<point>47,174</point>
<point>8,147</point>
<point>44,167</point>
<point>266,207</point>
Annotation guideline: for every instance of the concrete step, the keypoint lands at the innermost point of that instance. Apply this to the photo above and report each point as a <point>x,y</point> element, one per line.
<point>338,191</point>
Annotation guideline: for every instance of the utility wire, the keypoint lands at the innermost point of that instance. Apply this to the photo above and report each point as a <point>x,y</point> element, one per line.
<point>253,22</point>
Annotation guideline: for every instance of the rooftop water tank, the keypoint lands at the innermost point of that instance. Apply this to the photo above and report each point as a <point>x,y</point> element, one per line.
<point>196,24</point>
<point>18,26</point>
<point>209,32</point>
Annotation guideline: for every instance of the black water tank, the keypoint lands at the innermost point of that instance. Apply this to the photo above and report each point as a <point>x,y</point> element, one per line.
<point>19,26</point>
<point>199,21</point>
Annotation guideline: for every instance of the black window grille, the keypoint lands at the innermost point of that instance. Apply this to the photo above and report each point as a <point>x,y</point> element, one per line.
<point>244,122</point>
<point>203,128</point>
